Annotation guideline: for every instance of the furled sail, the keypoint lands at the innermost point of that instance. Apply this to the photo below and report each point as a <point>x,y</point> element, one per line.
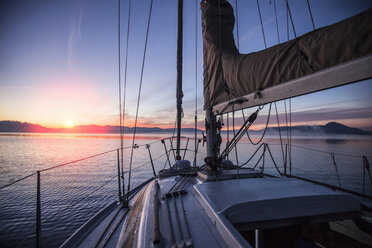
<point>315,57</point>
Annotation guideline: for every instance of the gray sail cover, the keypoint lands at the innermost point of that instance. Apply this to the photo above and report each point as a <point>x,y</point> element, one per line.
<point>229,74</point>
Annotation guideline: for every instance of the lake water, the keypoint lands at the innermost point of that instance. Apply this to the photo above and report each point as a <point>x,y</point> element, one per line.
<point>73,193</point>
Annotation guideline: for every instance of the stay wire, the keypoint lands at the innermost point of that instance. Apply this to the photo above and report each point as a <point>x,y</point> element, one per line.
<point>16,181</point>
<point>139,97</point>
<point>237,23</point>
<point>125,86</point>
<point>290,136</point>
<point>119,72</point>
<point>276,20</point>
<point>287,21</point>
<point>280,133</point>
<point>236,146</point>
<point>311,14</point>
<point>228,132</point>
<point>262,28</point>
<point>196,79</point>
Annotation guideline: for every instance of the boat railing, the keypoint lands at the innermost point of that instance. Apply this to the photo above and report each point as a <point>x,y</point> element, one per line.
<point>48,205</point>
<point>345,172</point>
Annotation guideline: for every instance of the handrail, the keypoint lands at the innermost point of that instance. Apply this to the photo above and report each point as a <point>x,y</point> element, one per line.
<point>82,159</point>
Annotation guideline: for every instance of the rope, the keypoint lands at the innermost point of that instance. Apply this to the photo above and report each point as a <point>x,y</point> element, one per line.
<point>280,133</point>
<point>236,146</point>
<point>16,181</point>
<point>125,86</point>
<point>334,163</point>
<point>78,160</point>
<point>196,79</point>
<point>272,158</point>
<point>139,95</point>
<point>219,27</point>
<point>228,132</point>
<point>366,167</point>
<point>338,154</point>
<point>276,20</point>
<point>119,72</point>
<point>262,155</point>
<point>142,165</point>
<point>252,155</point>
<point>244,128</point>
<point>311,14</point>
<point>290,136</point>
<point>263,135</point>
<point>237,23</point>
<point>262,28</point>
<point>286,9</point>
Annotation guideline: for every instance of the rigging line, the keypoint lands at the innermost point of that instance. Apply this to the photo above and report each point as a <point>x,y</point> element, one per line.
<point>290,136</point>
<point>252,155</point>
<point>171,139</point>
<point>263,135</point>
<point>125,85</point>
<point>78,160</point>
<point>286,120</point>
<point>296,40</point>
<point>139,96</point>
<point>290,16</point>
<point>228,133</point>
<point>16,181</point>
<point>236,146</point>
<point>338,154</point>
<point>196,78</point>
<point>335,165</point>
<point>262,28</point>
<point>219,26</point>
<point>276,20</point>
<point>142,165</point>
<point>119,71</point>
<point>272,158</point>
<point>287,23</point>
<point>237,23</point>
<point>259,160</point>
<point>244,128</point>
<point>311,14</point>
<point>280,133</point>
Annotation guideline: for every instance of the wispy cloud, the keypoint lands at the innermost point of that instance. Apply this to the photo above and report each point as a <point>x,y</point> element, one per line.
<point>74,35</point>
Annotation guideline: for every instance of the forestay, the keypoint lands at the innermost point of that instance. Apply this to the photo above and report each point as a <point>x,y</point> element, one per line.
<point>331,56</point>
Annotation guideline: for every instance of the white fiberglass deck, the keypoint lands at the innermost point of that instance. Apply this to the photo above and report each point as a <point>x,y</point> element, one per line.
<point>266,199</point>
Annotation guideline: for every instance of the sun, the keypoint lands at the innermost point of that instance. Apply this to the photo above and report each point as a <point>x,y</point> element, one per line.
<point>68,123</point>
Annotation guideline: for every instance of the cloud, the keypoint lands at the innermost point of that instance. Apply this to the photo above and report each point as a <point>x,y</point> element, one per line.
<point>74,35</point>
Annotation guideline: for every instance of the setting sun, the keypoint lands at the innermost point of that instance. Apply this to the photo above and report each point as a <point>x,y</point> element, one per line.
<point>68,123</point>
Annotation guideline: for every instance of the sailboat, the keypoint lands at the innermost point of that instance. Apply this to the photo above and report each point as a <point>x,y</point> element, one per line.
<point>219,204</point>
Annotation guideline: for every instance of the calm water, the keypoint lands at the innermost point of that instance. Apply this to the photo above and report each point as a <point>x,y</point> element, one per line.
<point>72,194</point>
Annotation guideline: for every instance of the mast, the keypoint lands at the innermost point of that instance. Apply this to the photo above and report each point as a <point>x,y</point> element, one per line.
<point>179,76</point>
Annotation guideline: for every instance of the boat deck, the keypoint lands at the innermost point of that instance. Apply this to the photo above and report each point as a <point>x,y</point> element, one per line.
<point>184,211</point>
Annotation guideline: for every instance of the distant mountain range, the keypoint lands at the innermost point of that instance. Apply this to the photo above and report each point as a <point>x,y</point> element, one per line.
<point>329,128</point>
<point>24,127</point>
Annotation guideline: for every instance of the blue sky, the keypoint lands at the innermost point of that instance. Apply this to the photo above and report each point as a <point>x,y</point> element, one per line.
<point>60,60</point>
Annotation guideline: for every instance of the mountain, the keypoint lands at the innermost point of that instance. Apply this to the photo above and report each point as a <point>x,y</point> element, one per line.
<point>25,127</point>
<point>16,126</point>
<point>329,128</point>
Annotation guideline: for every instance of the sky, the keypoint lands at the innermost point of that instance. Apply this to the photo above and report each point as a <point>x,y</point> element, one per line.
<point>59,61</point>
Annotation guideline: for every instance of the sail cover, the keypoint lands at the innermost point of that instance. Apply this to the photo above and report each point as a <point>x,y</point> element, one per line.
<point>229,75</point>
